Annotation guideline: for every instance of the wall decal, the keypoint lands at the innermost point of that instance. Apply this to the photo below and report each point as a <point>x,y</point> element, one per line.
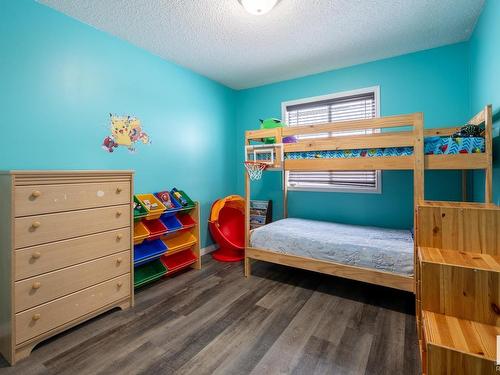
<point>125,131</point>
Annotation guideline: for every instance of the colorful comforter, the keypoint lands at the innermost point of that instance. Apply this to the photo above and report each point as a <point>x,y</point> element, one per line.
<point>432,146</point>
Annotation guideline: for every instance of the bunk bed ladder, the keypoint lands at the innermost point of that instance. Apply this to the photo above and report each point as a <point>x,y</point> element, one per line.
<point>458,279</point>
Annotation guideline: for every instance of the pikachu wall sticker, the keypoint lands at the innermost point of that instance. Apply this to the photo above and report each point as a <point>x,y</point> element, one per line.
<point>125,131</point>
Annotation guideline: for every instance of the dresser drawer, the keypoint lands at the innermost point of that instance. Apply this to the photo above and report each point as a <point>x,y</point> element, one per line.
<point>46,317</point>
<point>40,229</point>
<point>35,260</point>
<point>40,199</point>
<point>44,288</point>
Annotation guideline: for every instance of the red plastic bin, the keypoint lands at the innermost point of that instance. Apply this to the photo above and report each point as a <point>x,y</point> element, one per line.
<point>186,220</point>
<point>156,228</point>
<point>179,261</point>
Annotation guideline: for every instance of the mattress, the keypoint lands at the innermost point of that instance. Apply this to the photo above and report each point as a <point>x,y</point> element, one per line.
<point>432,146</point>
<point>389,250</point>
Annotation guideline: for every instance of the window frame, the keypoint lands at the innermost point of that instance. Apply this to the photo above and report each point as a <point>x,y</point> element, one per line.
<point>378,178</point>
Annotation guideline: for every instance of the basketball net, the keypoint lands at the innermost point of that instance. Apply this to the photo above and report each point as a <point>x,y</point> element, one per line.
<point>255,169</point>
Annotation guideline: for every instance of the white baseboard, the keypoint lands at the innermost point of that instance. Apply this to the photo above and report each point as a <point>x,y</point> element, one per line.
<point>208,249</point>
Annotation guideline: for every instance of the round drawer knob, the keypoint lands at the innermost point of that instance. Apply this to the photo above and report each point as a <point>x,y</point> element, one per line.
<point>36,255</point>
<point>36,193</point>
<point>118,213</point>
<point>119,190</point>
<point>36,224</point>
<point>36,285</point>
<point>119,284</point>
<point>119,236</point>
<point>36,317</point>
<point>119,260</point>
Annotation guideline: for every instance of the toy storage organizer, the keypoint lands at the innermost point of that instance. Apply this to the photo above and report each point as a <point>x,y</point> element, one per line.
<point>166,235</point>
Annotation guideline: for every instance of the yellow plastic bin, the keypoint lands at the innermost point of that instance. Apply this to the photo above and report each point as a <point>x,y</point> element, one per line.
<point>152,205</point>
<point>140,232</point>
<point>179,242</point>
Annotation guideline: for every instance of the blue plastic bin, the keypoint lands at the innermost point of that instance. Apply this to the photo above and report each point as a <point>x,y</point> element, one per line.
<point>171,222</point>
<point>176,206</point>
<point>148,250</point>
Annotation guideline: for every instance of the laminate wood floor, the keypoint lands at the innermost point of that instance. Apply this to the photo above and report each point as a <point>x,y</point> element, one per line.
<point>214,321</point>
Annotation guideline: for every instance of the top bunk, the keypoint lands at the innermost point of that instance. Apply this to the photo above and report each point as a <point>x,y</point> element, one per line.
<point>383,143</point>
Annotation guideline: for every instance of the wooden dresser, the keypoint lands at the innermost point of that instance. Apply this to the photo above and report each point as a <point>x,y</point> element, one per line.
<point>65,252</point>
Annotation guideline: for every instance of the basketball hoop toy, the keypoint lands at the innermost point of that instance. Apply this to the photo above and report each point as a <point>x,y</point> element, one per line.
<point>255,169</point>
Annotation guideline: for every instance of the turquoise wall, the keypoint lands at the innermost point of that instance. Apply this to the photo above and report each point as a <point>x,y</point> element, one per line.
<point>434,82</point>
<point>59,80</point>
<point>485,84</point>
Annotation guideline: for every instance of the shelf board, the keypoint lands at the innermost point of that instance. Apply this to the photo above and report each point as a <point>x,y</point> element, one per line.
<point>464,336</point>
<point>182,209</point>
<point>477,261</point>
<point>459,204</point>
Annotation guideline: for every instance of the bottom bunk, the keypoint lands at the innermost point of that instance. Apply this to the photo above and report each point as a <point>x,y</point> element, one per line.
<point>375,255</point>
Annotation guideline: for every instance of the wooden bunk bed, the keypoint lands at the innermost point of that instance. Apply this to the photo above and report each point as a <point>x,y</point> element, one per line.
<point>384,132</point>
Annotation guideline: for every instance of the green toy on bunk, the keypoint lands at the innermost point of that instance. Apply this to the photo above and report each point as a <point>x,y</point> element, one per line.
<point>273,123</point>
<point>270,123</point>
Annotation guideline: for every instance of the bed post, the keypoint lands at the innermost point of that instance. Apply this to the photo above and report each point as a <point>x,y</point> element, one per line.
<point>247,265</point>
<point>285,193</point>
<point>418,150</point>
<point>418,183</point>
<point>284,176</point>
<point>464,185</point>
<point>488,128</point>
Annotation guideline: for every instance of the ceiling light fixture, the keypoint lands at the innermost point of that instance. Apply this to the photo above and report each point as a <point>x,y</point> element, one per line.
<point>258,7</point>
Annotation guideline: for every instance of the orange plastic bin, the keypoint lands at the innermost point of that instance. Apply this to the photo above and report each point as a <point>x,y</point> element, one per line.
<point>140,232</point>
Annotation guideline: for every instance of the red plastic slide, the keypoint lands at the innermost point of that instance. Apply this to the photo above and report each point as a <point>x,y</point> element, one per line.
<point>227,225</point>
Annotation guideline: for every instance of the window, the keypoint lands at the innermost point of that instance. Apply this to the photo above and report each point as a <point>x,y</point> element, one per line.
<point>352,105</point>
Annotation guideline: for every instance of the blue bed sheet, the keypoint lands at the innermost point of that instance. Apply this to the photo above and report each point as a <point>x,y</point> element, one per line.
<point>389,250</point>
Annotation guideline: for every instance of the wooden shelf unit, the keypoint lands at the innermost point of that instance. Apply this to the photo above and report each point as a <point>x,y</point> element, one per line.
<point>458,286</point>
<point>184,238</point>
<point>462,259</point>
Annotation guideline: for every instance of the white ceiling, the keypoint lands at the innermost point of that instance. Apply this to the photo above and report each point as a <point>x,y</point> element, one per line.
<point>218,39</point>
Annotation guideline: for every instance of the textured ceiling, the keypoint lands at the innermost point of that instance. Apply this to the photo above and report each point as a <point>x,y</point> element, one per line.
<point>218,39</point>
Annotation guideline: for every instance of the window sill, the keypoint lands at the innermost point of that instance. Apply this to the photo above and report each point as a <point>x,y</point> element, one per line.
<point>335,190</point>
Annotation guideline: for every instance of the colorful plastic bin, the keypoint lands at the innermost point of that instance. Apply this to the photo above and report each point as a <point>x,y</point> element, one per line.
<point>156,228</point>
<point>176,206</point>
<point>179,242</point>
<point>186,220</point>
<point>139,210</point>
<point>148,273</point>
<point>148,250</point>
<point>178,261</point>
<point>140,232</point>
<point>171,222</point>
<point>190,203</point>
<point>152,213</point>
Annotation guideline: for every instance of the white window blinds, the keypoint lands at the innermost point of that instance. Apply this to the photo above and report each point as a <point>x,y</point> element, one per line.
<point>351,107</point>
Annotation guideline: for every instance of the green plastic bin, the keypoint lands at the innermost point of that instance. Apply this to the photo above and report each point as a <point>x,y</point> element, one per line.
<point>139,210</point>
<point>148,273</point>
<point>190,203</point>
